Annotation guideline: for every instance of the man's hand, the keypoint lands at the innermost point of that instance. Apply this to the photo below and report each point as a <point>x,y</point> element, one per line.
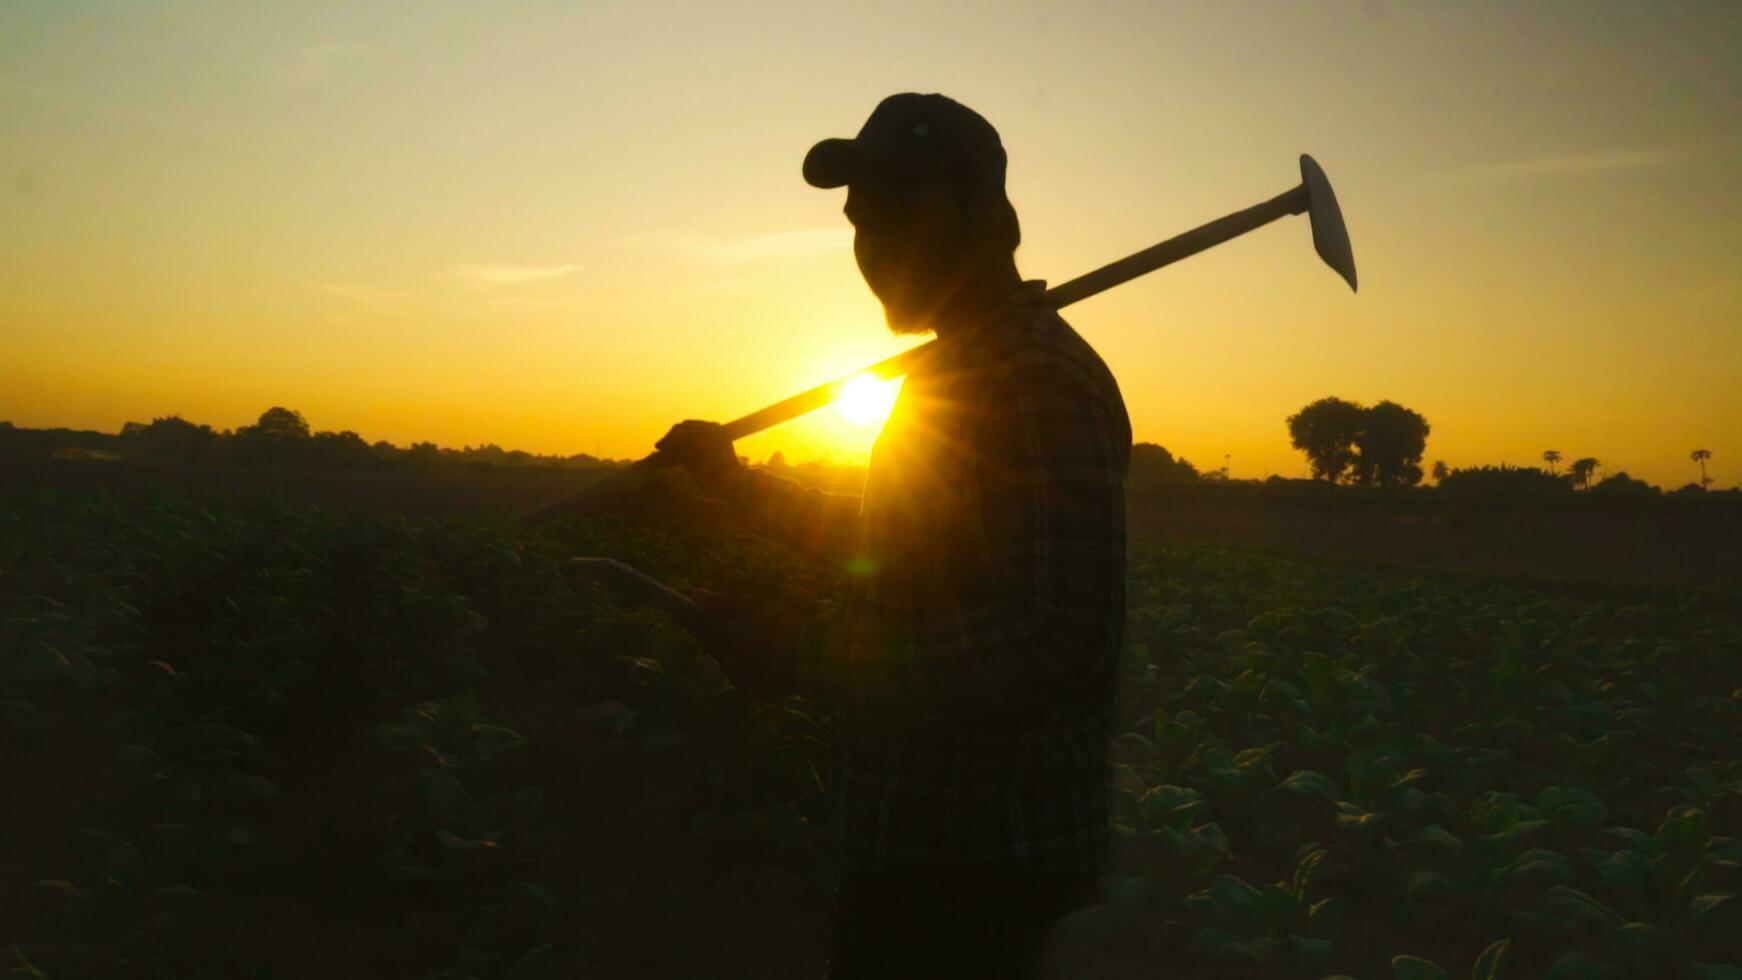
<point>755,642</point>
<point>704,450</point>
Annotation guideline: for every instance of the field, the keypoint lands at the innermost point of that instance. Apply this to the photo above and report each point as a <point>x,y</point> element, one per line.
<point>245,738</point>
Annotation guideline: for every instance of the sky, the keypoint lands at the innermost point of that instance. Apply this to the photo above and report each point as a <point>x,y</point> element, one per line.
<point>562,227</point>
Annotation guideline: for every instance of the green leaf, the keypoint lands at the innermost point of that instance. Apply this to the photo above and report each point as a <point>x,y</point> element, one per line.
<point>1307,784</point>
<point>1430,886</point>
<point>1213,943</point>
<point>1683,835</point>
<point>459,710</point>
<point>1327,914</point>
<point>1542,867</point>
<point>1578,966</point>
<point>1636,839</point>
<point>1238,905</point>
<point>1491,965</point>
<point>1408,780</point>
<point>1170,806</point>
<point>612,716</point>
<point>1205,689</point>
<point>1438,836</point>
<point>1306,869</point>
<point>1646,949</point>
<point>1710,914</point>
<point>448,801</point>
<point>1562,902</point>
<point>1278,907</point>
<point>25,968</point>
<point>1627,872</point>
<point>1359,820</point>
<point>1247,684</point>
<point>1321,684</point>
<point>1416,968</point>
<point>1311,954</point>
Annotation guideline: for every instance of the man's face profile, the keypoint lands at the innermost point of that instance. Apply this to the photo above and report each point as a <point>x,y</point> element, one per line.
<point>910,243</point>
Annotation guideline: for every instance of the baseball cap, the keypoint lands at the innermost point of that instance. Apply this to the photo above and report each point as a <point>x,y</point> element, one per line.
<point>912,135</point>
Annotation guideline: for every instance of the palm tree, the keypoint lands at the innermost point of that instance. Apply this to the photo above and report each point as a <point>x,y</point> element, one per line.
<point>1581,470</point>
<point>1700,456</point>
<point>1441,471</point>
<point>1551,456</point>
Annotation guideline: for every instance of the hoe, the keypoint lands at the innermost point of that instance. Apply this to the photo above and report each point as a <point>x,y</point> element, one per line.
<point>1312,196</point>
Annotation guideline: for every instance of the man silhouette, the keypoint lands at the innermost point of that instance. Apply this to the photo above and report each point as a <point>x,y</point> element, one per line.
<point>971,677</point>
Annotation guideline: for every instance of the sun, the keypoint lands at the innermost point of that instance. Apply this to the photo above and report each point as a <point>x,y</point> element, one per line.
<point>866,401</point>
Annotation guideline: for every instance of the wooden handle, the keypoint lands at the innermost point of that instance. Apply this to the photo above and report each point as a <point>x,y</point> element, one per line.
<point>636,584</point>
<point>1179,247</point>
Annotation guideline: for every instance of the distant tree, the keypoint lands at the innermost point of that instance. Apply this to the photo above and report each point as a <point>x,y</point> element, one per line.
<point>280,436</point>
<point>1440,470</point>
<point>1151,463</point>
<point>777,461</point>
<point>1326,431</point>
<point>282,423</point>
<point>1551,457</point>
<point>1390,443</point>
<point>487,453</point>
<point>1581,470</point>
<point>1504,480</point>
<point>171,435</point>
<point>1344,441</point>
<point>1700,456</point>
<point>340,451</point>
<point>1688,490</point>
<point>1622,485</point>
<point>424,454</point>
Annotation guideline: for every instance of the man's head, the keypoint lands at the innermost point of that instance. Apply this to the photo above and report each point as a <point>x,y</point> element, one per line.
<point>925,193</point>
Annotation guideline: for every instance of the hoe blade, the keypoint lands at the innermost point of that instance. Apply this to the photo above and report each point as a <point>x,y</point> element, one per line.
<point>1330,236</point>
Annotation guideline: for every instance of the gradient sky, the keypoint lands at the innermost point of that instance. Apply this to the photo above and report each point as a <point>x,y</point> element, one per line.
<point>562,226</point>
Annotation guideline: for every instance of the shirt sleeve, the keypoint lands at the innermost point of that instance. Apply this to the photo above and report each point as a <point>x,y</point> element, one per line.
<point>815,522</point>
<point>1042,623</point>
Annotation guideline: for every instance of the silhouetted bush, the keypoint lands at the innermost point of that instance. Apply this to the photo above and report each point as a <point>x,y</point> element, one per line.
<point>1622,485</point>
<point>341,451</point>
<point>171,435</point>
<point>1150,463</point>
<point>1503,479</point>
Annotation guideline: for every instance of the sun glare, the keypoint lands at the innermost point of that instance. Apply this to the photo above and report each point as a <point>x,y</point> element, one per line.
<point>866,401</point>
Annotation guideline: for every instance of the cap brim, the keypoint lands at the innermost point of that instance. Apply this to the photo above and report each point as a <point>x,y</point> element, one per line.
<point>832,163</point>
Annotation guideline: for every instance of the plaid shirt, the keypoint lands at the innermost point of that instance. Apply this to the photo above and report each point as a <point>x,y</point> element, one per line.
<point>972,675</point>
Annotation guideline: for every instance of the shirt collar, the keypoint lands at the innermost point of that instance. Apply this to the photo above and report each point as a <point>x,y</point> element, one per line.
<point>1026,293</point>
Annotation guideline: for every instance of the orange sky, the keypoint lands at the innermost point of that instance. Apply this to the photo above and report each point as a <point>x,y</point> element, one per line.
<point>559,226</point>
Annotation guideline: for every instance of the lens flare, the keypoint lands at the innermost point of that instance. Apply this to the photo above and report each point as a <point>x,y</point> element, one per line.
<point>865,400</point>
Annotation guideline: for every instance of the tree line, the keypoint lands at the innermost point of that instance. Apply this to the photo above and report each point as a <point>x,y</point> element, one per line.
<point>1382,446</point>
<point>1345,443</point>
<point>280,436</point>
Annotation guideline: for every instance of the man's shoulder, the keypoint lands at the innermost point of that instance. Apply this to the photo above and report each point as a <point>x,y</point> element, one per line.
<point>1033,342</point>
